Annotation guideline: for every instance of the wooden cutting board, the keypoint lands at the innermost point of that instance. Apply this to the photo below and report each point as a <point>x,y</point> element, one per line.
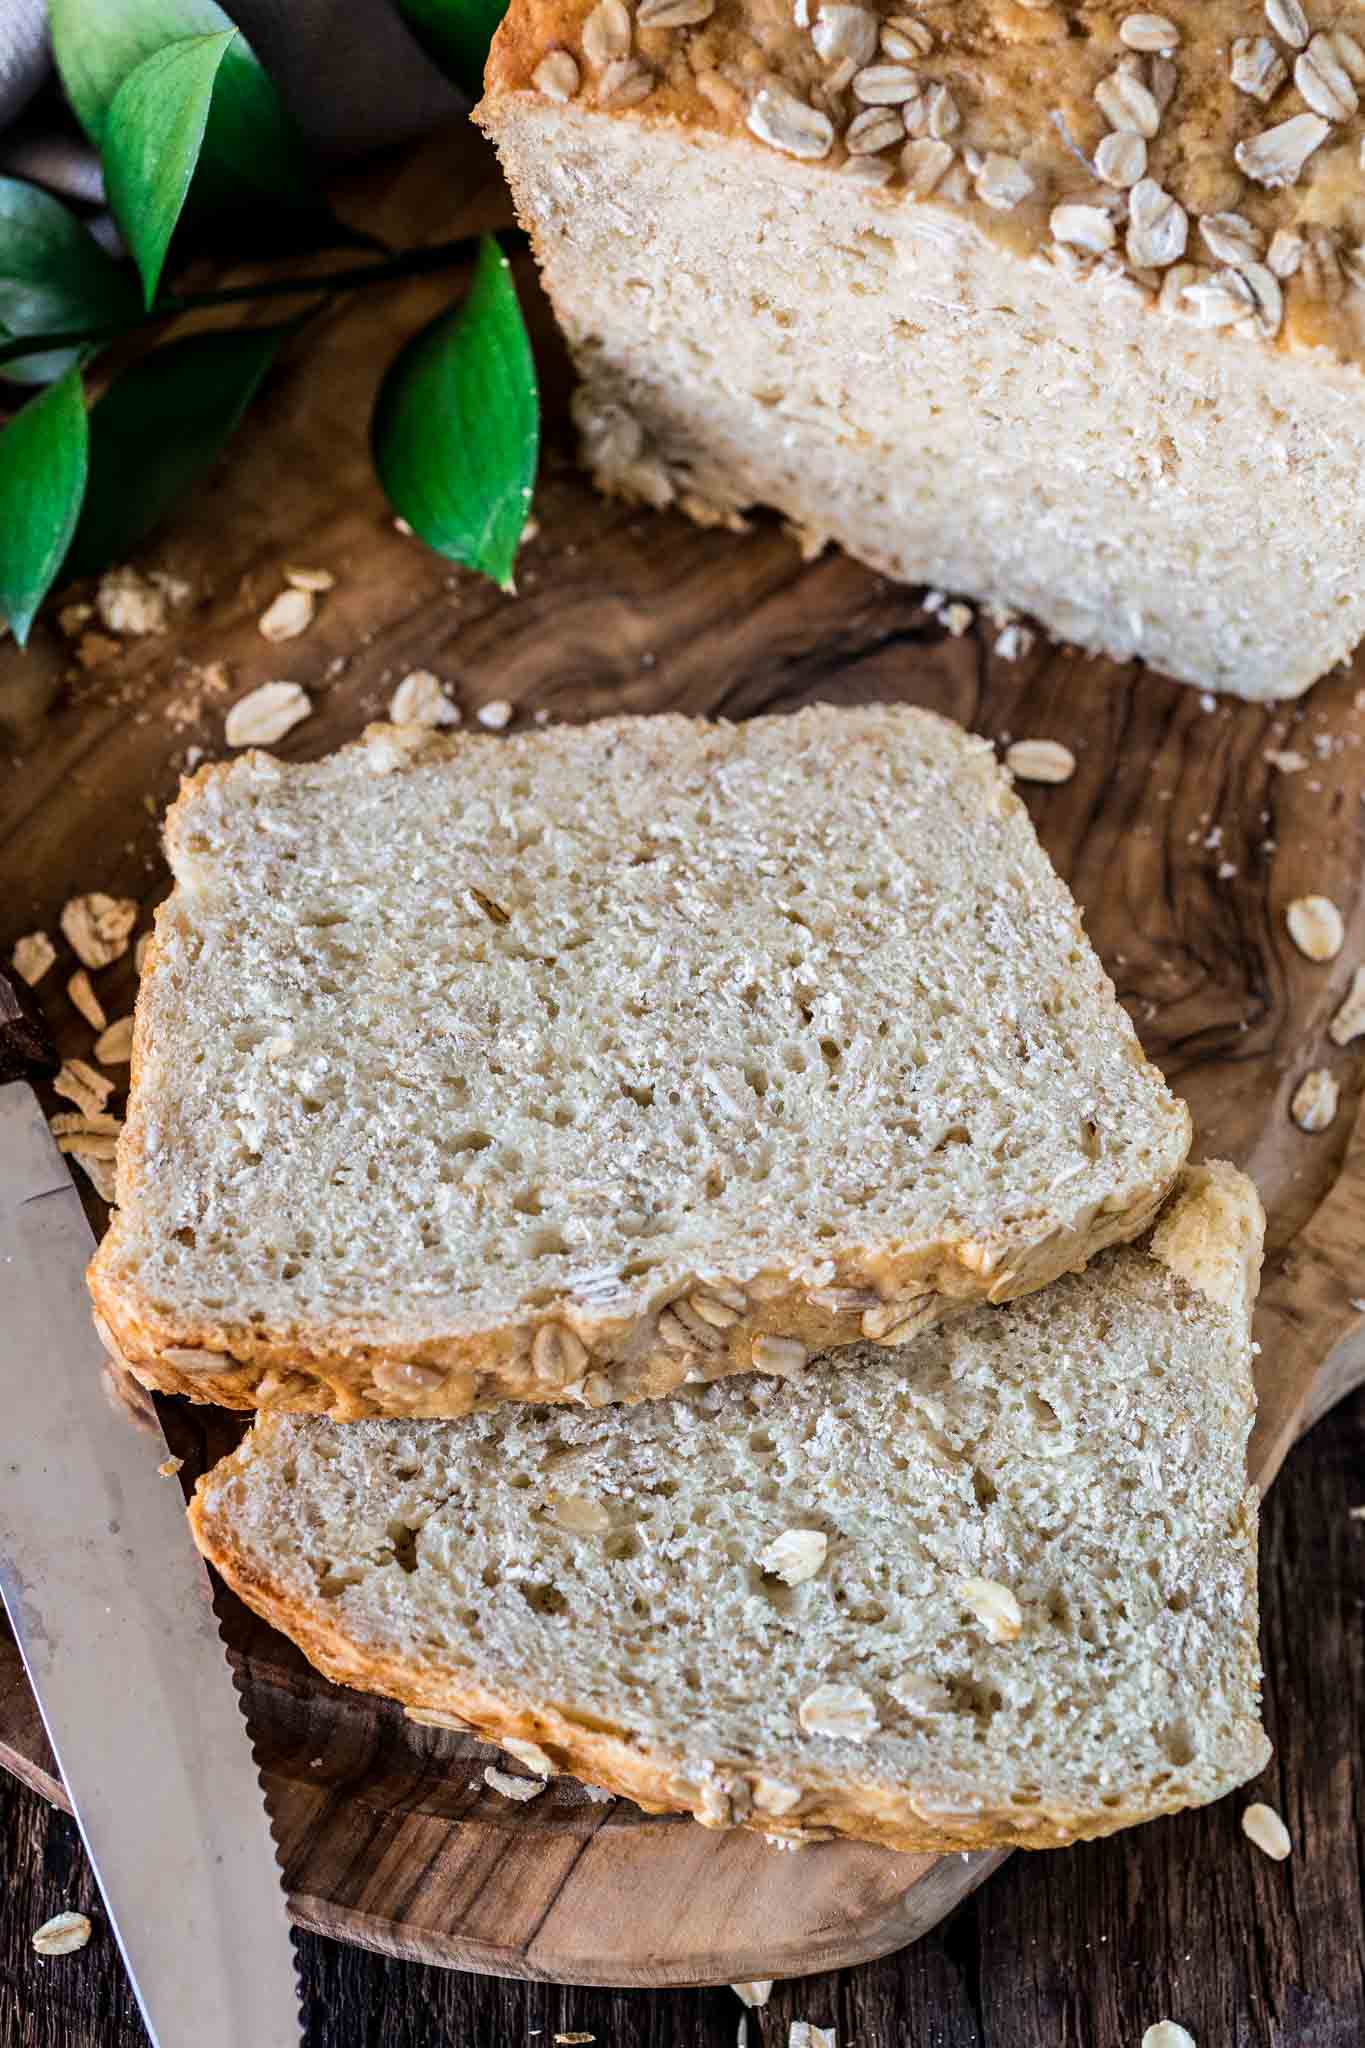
<point>1182,842</point>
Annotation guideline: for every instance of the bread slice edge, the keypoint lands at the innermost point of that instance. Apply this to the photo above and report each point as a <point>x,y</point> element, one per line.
<point>1210,1237</point>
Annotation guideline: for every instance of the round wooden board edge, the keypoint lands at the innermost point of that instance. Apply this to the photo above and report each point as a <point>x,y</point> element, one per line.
<point>935,1894</point>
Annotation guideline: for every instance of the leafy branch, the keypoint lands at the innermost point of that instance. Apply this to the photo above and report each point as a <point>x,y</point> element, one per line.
<point>193,138</point>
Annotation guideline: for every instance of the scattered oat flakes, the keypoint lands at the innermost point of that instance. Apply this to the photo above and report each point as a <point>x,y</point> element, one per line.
<point>576,1513</point>
<point>94,649</point>
<point>32,956</point>
<point>437,1717</point>
<point>556,75</point>
<point>1149,32</point>
<point>169,1467</point>
<point>779,1355</point>
<point>920,1695</point>
<point>496,714</point>
<point>598,1794</point>
<point>1315,925</point>
<point>785,121</point>
<point>1286,759</point>
<point>510,1787</point>
<point>97,1170</point>
<point>133,605</point>
<point>1040,761</point>
<point>1166,2034</point>
<point>266,714</point>
<point>804,2034</point>
<point>1356,1514</point>
<point>186,708</point>
<point>843,1711</point>
<point>62,1935</point>
<point>757,1992</point>
<point>420,700</point>
<point>114,1046</point>
<point>1013,641</point>
<point>287,615</point>
<point>86,1001</point>
<point>577,2039</point>
<point>72,619</point>
<point>958,618</point>
<point>1349,1020</point>
<point>81,1084</point>
<point>995,1607</point>
<point>795,1555</point>
<point>316,580</point>
<point>529,1753</point>
<point>72,1127</point>
<point>1315,1100</point>
<point>1277,156</point>
<point>97,927</point>
<point>1263,1826</point>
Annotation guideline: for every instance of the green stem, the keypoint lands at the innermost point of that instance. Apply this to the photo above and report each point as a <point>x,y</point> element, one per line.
<point>409,263</point>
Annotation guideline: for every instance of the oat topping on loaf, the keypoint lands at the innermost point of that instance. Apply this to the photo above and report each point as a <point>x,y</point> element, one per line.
<point>1205,158</point>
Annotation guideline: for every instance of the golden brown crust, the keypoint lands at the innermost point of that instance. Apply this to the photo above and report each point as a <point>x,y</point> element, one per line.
<point>312,1370</point>
<point>729,1793</point>
<point>1212,1233</point>
<point>1023,81</point>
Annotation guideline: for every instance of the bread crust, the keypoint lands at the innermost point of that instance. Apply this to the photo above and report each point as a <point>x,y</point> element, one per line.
<point>347,1371</point>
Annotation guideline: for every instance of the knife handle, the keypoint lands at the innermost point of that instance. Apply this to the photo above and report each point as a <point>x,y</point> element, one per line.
<point>26,1051</point>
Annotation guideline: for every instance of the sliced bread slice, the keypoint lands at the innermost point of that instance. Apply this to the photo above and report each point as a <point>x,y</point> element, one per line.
<point>996,1587</point>
<point>581,1063</point>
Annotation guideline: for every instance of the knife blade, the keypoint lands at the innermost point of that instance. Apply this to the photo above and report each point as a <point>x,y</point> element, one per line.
<point>110,1604</point>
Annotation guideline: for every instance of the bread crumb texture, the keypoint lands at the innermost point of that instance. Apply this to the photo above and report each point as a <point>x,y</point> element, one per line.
<point>576,1066</point>
<point>1035,1619</point>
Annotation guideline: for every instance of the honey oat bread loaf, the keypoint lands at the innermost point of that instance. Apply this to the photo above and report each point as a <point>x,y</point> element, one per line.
<point>1056,305</point>
<point>572,1065</point>
<point>995,1587</point>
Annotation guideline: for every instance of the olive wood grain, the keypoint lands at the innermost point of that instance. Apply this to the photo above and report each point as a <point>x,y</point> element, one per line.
<point>1181,840</point>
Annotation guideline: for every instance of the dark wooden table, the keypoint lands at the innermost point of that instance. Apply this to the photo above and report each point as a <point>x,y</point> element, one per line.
<point>1081,1948</point>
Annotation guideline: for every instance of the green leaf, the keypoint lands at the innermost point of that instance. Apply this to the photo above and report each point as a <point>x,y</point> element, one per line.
<point>455,35</point>
<point>152,140</point>
<point>98,47</point>
<point>456,426</point>
<point>43,454</point>
<point>54,277</point>
<point>250,150</point>
<point>158,428</point>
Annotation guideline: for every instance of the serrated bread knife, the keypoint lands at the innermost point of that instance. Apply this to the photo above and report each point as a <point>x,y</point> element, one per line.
<point>110,1604</point>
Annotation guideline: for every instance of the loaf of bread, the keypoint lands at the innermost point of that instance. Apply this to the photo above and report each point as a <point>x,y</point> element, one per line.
<point>995,1587</point>
<point>574,1065</point>
<point>1055,303</point>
